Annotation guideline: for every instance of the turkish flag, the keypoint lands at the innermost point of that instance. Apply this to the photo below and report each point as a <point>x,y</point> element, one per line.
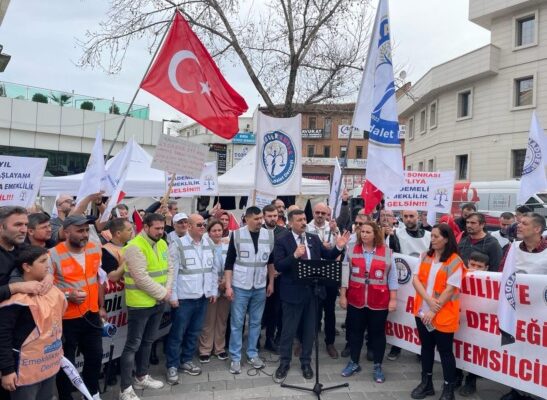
<point>185,76</point>
<point>371,195</point>
<point>137,220</point>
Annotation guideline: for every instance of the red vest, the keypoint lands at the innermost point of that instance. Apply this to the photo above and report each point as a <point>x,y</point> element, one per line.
<point>369,289</point>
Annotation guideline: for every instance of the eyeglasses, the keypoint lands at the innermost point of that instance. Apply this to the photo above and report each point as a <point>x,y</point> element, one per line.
<point>199,225</point>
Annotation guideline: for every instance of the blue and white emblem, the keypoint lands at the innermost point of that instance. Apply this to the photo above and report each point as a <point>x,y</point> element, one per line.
<point>533,157</point>
<point>278,157</point>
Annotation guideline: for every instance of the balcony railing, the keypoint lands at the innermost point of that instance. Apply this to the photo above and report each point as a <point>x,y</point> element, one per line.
<point>73,100</point>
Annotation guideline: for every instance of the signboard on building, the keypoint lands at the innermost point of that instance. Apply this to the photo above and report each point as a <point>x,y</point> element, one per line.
<point>319,177</point>
<point>220,149</point>
<point>356,163</point>
<point>343,132</point>
<point>239,152</point>
<point>244,138</point>
<point>312,133</point>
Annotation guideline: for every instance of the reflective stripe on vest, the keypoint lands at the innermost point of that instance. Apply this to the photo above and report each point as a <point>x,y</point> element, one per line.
<point>157,269</point>
<point>250,265</point>
<point>70,276</point>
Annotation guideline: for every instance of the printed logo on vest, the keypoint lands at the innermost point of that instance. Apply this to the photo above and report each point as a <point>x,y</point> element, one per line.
<point>378,274</point>
<point>278,157</point>
<point>265,256</point>
<point>533,157</point>
<point>403,271</point>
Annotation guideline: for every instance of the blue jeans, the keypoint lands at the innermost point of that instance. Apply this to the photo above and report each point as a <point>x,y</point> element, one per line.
<point>252,301</point>
<point>186,323</point>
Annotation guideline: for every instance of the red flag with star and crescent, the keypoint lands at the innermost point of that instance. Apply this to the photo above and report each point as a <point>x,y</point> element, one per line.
<point>185,76</point>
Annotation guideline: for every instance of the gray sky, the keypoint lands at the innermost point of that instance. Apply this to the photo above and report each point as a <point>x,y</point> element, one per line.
<point>40,37</point>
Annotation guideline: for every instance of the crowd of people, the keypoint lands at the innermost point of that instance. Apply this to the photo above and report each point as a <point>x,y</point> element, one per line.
<point>219,281</point>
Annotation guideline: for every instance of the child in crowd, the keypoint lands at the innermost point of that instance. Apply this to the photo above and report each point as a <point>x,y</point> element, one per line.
<point>477,262</point>
<point>30,333</point>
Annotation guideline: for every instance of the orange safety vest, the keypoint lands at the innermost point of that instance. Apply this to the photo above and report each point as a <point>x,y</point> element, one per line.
<point>448,318</point>
<point>70,276</point>
<point>41,352</point>
<point>369,289</point>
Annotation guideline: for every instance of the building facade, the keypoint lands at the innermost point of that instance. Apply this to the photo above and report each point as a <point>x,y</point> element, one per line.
<point>472,114</point>
<point>32,124</point>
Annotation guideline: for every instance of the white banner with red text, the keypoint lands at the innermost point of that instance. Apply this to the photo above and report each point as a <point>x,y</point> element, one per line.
<point>114,303</point>
<point>205,185</point>
<point>522,365</point>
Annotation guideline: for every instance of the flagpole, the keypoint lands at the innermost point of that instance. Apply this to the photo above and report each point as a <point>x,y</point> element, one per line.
<point>138,89</point>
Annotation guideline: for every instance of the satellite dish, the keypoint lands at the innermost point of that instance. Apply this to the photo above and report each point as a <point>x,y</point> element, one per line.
<point>402,75</point>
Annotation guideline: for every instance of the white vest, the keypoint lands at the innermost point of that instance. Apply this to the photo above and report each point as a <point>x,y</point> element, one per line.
<point>501,240</point>
<point>250,268</point>
<point>412,246</point>
<point>195,273</point>
<point>530,263</point>
<point>322,233</point>
<point>171,236</point>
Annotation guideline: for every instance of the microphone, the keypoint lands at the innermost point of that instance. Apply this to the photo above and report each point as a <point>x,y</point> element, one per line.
<point>303,238</point>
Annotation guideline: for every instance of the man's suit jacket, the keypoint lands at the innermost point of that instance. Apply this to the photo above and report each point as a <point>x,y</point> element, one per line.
<point>285,246</point>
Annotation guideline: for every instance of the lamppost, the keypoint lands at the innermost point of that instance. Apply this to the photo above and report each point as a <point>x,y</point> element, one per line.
<point>163,121</point>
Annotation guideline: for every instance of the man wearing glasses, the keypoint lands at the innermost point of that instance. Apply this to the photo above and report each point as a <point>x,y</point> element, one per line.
<point>195,284</point>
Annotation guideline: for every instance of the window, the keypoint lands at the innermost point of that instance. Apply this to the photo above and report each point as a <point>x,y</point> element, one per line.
<point>524,92</point>
<point>311,150</point>
<point>409,167</point>
<point>430,165</point>
<point>465,104</point>
<point>423,121</point>
<point>343,151</point>
<point>518,157</point>
<point>328,128</point>
<point>433,115</point>
<point>411,128</point>
<point>326,151</point>
<point>421,166</point>
<point>359,152</point>
<point>312,123</point>
<point>525,30</point>
<point>461,167</point>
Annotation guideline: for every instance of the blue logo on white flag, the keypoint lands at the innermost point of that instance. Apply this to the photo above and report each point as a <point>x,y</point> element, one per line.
<point>278,157</point>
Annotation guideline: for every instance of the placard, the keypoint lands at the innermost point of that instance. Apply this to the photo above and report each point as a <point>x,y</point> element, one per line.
<point>521,365</point>
<point>205,185</point>
<point>20,179</point>
<point>175,154</point>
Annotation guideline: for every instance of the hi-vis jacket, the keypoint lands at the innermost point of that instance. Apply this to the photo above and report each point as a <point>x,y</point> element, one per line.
<point>369,289</point>
<point>448,318</point>
<point>41,352</point>
<point>70,276</point>
<point>196,266</point>
<point>250,267</point>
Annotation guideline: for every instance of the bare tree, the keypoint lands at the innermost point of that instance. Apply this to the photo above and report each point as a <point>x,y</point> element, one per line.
<point>294,51</point>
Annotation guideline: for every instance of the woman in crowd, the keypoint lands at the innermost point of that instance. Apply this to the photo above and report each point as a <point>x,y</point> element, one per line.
<point>212,339</point>
<point>369,291</point>
<point>437,309</point>
<point>224,218</point>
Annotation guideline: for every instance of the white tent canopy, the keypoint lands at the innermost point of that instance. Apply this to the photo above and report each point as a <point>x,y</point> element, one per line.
<point>144,181</point>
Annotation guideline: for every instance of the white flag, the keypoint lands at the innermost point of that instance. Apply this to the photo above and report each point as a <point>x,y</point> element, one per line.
<point>74,377</point>
<point>279,155</point>
<point>533,177</point>
<point>376,110</point>
<point>116,178</point>
<point>507,305</point>
<point>93,180</point>
<point>336,190</point>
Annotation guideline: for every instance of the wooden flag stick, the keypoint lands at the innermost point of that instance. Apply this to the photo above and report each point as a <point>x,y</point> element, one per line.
<point>165,198</point>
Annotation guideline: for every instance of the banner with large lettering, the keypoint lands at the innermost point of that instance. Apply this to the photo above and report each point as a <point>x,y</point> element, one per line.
<point>205,185</point>
<point>424,191</point>
<point>20,179</point>
<point>522,365</point>
<point>114,303</point>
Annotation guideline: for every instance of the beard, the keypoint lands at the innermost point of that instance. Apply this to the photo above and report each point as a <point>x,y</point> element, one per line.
<point>79,244</point>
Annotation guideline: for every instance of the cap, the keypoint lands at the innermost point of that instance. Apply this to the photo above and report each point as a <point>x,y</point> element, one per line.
<point>75,220</point>
<point>179,216</point>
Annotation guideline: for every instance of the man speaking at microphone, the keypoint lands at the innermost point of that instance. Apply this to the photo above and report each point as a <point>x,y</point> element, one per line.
<point>296,298</point>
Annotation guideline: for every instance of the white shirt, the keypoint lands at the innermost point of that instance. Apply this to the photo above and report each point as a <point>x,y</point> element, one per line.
<point>453,280</point>
<point>297,238</point>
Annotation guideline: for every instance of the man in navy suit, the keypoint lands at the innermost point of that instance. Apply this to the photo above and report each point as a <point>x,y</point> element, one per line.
<point>296,298</point>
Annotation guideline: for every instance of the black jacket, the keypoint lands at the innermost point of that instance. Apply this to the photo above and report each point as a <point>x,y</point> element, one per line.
<point>284,261</point>
<point>488,245</point>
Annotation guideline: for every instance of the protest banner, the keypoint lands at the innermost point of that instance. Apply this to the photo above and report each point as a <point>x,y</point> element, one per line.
<point>424,191</point>
<point>174,154</point>
<point>522,365</point>
<point>20,179</point>
<point>279,155</point>
<point>205,185</point>
<point>114,303</point>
